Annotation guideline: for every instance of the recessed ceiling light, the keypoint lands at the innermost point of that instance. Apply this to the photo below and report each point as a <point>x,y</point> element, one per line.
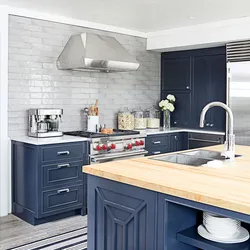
<point>191,17</point>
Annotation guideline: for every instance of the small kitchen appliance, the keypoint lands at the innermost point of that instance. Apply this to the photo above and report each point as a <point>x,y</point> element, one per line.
<point>45,123</point>
<point>119,145</point>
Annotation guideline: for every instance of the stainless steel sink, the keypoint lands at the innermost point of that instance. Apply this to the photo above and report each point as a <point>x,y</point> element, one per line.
<point>195,158</point>
<point>182,159</point>
<point>211,155</point>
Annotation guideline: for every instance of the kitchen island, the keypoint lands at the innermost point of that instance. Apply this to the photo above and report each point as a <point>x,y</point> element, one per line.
<point>143,203</point>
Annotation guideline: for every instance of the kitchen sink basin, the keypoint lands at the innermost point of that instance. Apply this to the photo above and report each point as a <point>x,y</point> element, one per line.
<point>211,155</point>
<point>195,158</point>
<point>182,159</point>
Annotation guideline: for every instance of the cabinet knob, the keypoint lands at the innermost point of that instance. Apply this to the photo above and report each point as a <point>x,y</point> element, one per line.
<point>175,122</point>
<point>187,87</point>
<point>176,138</point>
<point>207,124</point>
<point>211,125</point>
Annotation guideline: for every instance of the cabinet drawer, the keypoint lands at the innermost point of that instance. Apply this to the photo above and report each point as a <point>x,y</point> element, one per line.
<point>68,151</point>
<point>157,150</point>
<point>58,200</point>
<point>61,173</point>
<point>156,141</point>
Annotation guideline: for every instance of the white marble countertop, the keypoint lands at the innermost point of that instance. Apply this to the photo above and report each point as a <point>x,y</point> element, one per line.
<point>51,140</point>
<point>175,130</point>
<point>68,138</point>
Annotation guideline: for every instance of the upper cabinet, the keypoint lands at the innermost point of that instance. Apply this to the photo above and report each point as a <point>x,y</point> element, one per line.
<point>176,73</point>
<point>209,84</point>
<point>196,77</point>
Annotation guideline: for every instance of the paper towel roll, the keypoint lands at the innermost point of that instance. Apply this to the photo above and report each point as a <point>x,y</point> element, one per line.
<point>92,122</point>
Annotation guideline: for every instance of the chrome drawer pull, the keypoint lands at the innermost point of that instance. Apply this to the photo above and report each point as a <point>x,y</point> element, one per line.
<point>157,152</point>
<point>66,190</point>
<point>64,166</point>
<point>63,153</point>
<point>157,142</point>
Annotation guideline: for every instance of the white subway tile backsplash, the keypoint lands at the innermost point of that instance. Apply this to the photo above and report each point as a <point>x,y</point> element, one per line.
<point>35,81</point>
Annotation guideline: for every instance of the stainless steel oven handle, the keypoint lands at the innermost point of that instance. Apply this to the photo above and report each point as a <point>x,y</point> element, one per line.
<point>202,140</point>
<point>96,159</point>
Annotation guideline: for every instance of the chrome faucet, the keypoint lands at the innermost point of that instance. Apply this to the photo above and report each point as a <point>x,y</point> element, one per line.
<point>229,150</point>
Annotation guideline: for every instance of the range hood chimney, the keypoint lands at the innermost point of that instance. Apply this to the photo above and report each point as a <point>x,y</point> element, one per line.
<point>91,52</point>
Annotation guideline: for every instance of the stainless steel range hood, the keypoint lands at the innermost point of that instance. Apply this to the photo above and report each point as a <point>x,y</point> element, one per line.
<point>96,53</point>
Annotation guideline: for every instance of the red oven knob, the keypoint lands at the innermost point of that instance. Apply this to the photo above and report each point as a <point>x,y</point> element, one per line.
<point>137,143</point>
<point>98,148</point>
<point>129,146</point>
<point>142,143</point>
<point>104,147</point>
<point>112,146</point>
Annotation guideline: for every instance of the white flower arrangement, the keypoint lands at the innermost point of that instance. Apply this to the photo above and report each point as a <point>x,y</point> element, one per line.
<point>168,103</point>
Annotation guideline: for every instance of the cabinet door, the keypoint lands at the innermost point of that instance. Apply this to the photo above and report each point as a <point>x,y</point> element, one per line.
<point>181,115</point>
<point>178,142</point>
<point>209,84</point>
<point>120,216</point>
<point>218,91</point>
<point>176,73</point>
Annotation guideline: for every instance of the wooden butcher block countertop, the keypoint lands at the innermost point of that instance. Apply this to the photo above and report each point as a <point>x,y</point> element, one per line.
<point>227,187</point>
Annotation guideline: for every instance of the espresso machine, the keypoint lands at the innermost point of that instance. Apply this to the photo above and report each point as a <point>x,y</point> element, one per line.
<point>45,122</point>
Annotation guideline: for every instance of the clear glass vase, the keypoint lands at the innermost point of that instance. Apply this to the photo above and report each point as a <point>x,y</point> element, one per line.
<point>166,119</point>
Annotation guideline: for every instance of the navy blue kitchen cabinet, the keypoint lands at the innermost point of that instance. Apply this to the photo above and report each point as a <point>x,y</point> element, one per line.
<point>47,181</point>
<point>120,216</point>
<point>176,72</point>
<point>166,142</point>
<point>209,84</point>
<point>127,217</point>
<point>204,82</point>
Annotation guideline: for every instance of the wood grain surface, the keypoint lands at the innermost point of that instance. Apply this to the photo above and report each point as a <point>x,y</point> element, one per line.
<point>227,187</point>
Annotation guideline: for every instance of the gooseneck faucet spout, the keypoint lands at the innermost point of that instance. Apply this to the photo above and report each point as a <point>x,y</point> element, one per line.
<point>229,151</point>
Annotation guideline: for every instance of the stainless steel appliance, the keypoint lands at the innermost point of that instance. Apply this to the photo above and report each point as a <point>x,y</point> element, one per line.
<point>199,140</point>
<point>117,146</point>
<point>45,122</point>
<point>94,52</point>
<point>238,64</point>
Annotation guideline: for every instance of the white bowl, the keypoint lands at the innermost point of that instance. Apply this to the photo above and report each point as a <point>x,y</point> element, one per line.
<point>220,226</point>
<point>227,224</point>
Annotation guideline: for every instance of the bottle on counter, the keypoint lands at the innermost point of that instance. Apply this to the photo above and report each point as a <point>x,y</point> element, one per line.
<point>126,120</point>
<point>153,120</point>
<point>140,119</point>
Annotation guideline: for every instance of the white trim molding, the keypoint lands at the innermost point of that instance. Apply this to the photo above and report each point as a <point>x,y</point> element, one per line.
<point>5,175</point>
<point>200,36</point>
<point>73,21</point>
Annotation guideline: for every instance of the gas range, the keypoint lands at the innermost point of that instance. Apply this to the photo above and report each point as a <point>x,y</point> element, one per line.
<point>108,147</point>
<point>116,133</point>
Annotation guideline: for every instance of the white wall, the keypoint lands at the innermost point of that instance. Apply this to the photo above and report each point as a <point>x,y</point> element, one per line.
<point>200,36</point>
<point>4,140</point>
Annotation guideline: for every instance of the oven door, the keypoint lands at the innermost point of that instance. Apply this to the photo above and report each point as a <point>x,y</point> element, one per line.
<point>95,159</point>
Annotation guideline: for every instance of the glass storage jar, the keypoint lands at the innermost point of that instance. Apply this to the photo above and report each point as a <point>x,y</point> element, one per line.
<point>126,119</point>
<point>140,122</point>
<point>153,120</point>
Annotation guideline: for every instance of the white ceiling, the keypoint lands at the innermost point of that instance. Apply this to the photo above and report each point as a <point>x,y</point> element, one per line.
<point>141,15</point>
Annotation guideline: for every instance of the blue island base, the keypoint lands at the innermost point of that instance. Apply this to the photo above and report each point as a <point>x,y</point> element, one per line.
<point>125,217</point>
